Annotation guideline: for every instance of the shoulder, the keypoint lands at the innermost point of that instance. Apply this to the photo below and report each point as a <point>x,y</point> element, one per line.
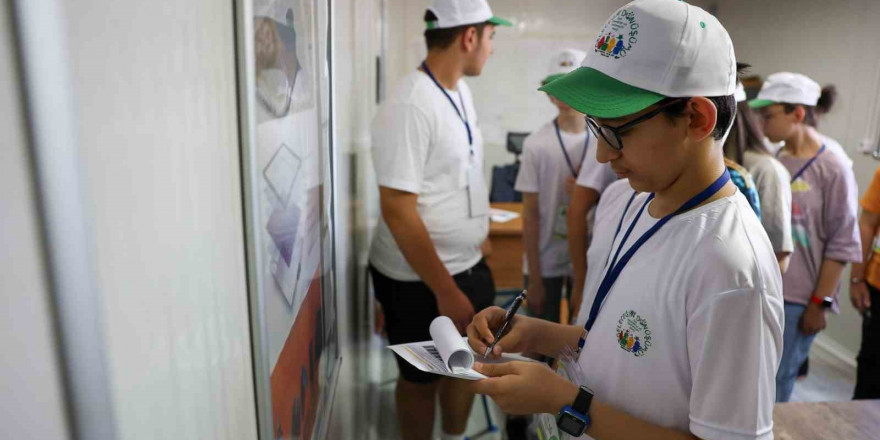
<point>730,247</point>
<point>538,137</point>
<point>765,167</point>
<point>614,197</point>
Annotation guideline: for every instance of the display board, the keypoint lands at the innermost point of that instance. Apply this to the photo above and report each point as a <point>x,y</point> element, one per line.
<point>284,71</point>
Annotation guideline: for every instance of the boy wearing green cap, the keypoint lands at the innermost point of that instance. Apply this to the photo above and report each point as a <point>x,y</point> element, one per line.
<point>680,331</point>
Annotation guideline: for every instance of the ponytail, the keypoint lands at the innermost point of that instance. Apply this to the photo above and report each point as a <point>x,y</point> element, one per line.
<point>826,99</point>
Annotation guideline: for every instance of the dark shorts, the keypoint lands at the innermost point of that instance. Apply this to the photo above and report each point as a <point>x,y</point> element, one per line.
<point>410,306</point>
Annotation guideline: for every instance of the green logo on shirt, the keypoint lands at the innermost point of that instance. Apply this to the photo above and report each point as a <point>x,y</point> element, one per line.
<point>633,333</point>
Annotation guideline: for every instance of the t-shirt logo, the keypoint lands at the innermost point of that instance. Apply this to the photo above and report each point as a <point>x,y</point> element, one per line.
<point>633,333</point>
<point>618,36</point>
<point>800,185</point>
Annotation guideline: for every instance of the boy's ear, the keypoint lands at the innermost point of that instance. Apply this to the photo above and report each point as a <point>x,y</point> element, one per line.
<point>703,117</point>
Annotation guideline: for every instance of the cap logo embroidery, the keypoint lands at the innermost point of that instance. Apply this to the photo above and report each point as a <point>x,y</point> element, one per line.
<point>619,35</point>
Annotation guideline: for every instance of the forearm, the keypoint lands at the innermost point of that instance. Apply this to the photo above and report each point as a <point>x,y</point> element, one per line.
<point>415,243</point>
<point>829,277</point>
<point>866,233</point>
<point>550,338</point>
<point>577,240</point>
<point>532,231</point>
<point>608,423</point>
<point>783,259</point>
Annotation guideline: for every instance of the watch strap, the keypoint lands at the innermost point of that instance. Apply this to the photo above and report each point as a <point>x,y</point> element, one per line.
<point>583,400</point>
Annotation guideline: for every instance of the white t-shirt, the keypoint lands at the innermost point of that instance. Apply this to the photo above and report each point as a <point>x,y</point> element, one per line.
<point>699,310</point>
<point>835,146</point>
<point>420,145</point>
<point>773,183</point>
<point>595,175</point>
<point>543,170</point>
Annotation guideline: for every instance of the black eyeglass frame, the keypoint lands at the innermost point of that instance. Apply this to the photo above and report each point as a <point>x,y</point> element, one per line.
<point>617,142</point>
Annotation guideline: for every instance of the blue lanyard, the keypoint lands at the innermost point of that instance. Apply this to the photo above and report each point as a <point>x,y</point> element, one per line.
<point>464,117</point>
<point>562,145</point>
<point>807,165</point>
<point>616,267</point>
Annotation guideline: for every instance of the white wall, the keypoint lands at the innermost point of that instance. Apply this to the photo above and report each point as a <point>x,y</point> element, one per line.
<point>833,43</point>
<point>31,401</point>
<point>155,91</point>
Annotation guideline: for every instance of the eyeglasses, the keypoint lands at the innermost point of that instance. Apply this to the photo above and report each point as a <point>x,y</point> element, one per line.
<point>611,135</point>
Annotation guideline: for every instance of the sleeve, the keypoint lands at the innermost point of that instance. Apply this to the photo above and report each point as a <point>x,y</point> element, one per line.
<point>774,188</point>
<point>841,218</point>
<point>871,199</point>
<point>734,346</point>
<point>401,137</point>
<point>593,174</point>
<point>527,178</point>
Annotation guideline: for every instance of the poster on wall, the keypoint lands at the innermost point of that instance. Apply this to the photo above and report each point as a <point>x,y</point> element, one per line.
<point>285,69</point>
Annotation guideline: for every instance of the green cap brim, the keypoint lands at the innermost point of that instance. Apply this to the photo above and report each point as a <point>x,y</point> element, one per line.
<point>498,21</point>
<point>552,78</point>
<point>758,103</point>
<point>594,93</point>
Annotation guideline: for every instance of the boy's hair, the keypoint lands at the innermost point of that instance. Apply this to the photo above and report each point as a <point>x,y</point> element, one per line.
<point>725,105</point>
<point>811,113</point>
<point>443,38</point>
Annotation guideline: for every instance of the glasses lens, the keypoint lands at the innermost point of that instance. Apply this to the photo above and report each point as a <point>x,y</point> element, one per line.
<point>605,132</point>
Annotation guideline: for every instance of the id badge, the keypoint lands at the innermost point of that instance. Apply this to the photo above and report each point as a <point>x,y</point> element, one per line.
<point>545,424</point>
<point>560,225</point>
<point>478,196</point>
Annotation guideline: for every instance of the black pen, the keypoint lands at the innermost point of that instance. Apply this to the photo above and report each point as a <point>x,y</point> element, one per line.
<point>507,318</point>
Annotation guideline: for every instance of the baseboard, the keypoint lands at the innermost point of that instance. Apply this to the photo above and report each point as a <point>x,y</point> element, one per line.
<point>834,351</point>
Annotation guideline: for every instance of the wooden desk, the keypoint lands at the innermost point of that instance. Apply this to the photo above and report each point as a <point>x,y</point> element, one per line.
<point>855,420</point>
<point>507,249</point>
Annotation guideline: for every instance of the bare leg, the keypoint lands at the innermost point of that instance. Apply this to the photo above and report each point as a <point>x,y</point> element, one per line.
<point>455,405</point>
<point>415,409</point>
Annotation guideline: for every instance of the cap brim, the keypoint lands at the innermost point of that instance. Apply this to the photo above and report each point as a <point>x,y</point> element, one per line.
<point>498,21</point>
<point>758,103</point>
<point>552,78</point>
<point>594,93</point>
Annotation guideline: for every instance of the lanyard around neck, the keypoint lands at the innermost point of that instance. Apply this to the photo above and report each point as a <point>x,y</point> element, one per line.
<point>807,165</point>
<point>461,116</point>
<point>616,267</point>
<point>564,152</point>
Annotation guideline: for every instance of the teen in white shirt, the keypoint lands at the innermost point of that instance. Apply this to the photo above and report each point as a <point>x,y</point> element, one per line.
<point>686,341</point>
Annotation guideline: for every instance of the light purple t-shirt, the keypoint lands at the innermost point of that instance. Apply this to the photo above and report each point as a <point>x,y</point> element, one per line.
<point>824,222</point>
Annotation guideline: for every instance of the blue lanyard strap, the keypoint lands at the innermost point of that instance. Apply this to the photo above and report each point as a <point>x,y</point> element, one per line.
<point>616,267</point>
<point>562,145</point>
<point>807,165</point>
<point>464,117</point>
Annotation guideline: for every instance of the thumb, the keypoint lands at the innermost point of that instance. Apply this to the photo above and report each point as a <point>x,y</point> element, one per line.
<point>495,370</point>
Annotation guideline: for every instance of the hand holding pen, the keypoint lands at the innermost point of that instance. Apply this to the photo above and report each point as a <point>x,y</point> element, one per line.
<point>496,330</point>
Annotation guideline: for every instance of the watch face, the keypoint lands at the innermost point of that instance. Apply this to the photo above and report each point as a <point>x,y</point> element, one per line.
<point>571,424</point>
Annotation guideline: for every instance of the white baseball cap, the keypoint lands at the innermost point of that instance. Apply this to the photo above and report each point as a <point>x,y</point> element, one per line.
<point>740,93</point>
<point>453,13</point>
<point>787,88</point>
<point>647,51</point>
<point>564,62</point>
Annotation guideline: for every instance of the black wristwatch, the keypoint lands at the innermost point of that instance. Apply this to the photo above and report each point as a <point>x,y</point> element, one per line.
<point>574,419</point>
<point>825,302</point>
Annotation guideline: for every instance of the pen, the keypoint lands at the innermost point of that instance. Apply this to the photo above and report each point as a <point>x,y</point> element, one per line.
<point>507,318</point>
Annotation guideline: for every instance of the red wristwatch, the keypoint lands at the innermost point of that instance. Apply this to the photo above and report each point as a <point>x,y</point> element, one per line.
<point>824,302</point>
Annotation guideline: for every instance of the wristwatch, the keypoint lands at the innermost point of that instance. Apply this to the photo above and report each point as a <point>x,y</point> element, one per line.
<point>824,302</point>
<point>574,419</point>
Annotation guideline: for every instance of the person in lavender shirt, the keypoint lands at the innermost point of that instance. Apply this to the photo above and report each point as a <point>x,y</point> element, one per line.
<point>824,212</point>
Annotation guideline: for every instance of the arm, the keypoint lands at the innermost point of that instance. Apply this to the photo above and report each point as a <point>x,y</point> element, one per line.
<point>858,292</point>
<point>400,214</point>
<point>783,259</point>
<point>814,319</point>
<point>582,200</point>
<point>532,238</point>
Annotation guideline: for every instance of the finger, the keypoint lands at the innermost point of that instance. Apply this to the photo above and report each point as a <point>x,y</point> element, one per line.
<point>483,330</point>
<point>496,370</point>
<point>866,301</point>
<point>489,387</point>
<point>474,339</point>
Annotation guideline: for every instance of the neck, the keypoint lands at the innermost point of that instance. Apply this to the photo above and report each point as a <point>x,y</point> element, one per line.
<point>446,68</point>
<point>571,122</point>
<point>804,143</point>
<point>696,177</point>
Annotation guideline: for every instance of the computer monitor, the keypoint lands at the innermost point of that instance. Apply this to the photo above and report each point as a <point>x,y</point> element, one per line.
<point>515,141</point>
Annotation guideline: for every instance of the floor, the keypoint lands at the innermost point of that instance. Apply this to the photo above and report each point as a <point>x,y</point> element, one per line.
<point>829,380</point>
